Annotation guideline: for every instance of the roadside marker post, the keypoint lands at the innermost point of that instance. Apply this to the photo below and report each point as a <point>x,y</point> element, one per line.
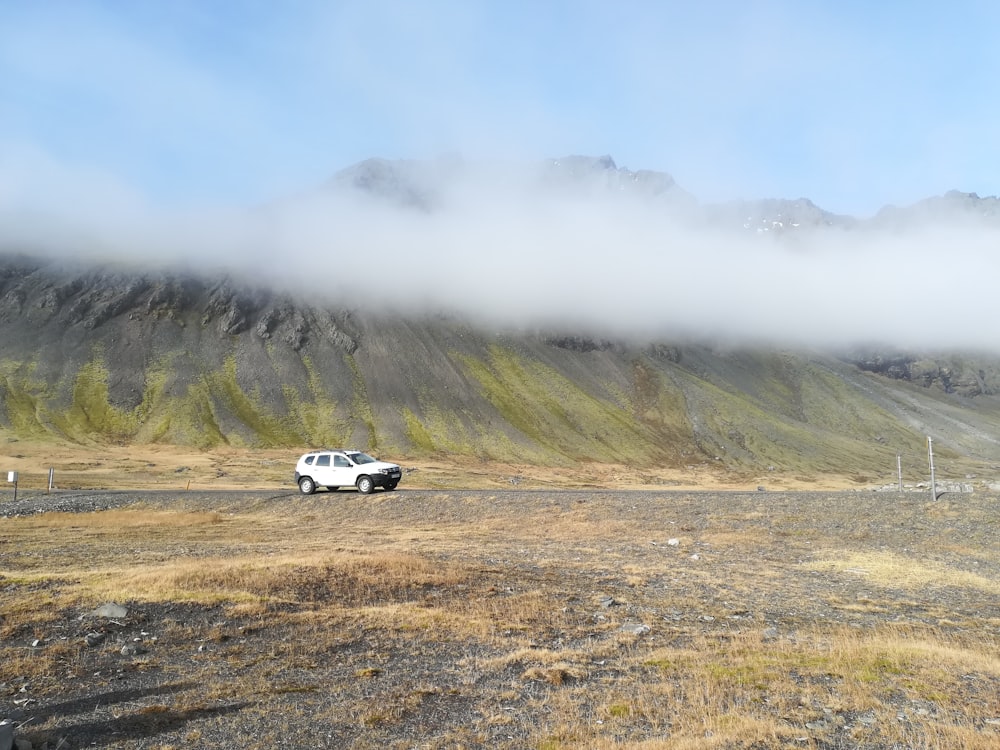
<point>930,459</point>
<point>12,479</point>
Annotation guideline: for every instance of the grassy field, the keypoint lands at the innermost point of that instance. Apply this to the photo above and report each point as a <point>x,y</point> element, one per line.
<point>546,619</point>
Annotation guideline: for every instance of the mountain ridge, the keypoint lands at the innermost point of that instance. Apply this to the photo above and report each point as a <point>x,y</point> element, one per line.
<point>417,182</point>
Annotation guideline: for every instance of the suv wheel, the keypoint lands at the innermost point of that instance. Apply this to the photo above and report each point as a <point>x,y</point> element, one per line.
<point>365,485</point>
<point>307,486</point>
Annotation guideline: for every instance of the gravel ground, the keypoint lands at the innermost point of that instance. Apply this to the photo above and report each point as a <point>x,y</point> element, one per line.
<point>212,678</point>
<point>31,502</point>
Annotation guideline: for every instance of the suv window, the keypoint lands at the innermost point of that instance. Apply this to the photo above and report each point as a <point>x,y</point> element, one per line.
<point>341,461</point>
<point>361,458</point>
<point>323,460</point>
<point>309,460</point>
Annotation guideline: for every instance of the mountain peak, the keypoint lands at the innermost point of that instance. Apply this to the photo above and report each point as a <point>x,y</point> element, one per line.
<point>581,164</point>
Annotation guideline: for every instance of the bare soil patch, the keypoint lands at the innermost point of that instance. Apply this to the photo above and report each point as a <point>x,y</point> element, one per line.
<point>516,619</point>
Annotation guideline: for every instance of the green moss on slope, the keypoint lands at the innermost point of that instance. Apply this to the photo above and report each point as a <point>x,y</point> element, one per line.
<point>212,410</point>
<point>91,413</point>
<point>191,419</point>
<point>267,428</point>
<point>361,406</point>
<point>24,398</point>
<point>418,435</point>
<point>560,419</point>
<point>833,430</point>
<point>317,415</point>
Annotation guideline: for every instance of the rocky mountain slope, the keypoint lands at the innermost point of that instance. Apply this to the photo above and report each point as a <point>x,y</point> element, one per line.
<point>94,354</point>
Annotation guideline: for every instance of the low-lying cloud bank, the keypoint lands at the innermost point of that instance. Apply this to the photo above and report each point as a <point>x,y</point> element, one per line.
<point>504,248</point>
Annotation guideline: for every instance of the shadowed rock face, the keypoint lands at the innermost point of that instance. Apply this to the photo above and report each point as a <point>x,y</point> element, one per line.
<point>967,376</point>
<point>90,353</point>
<point>62,298</point>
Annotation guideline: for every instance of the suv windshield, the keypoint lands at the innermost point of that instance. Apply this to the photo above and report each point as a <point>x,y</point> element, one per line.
<point>361,458</point>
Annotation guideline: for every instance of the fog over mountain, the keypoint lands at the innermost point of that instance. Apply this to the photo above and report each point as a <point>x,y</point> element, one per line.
<point>575,243</point>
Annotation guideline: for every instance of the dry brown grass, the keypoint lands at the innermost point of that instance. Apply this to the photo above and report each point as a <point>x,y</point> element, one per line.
<point>176,467</point>
<point>448,619</point>
<point>891,569</point>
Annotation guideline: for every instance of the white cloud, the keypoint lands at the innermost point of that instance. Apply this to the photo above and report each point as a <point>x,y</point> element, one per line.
<point>499,248</point>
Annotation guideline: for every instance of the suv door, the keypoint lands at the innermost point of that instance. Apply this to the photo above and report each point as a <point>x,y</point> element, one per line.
<point>322,470</point>
<point>342,473</point>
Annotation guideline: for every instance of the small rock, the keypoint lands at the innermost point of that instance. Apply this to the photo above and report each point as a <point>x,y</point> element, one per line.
<point>111,610</point>
<point>673,542</point>
<point>94,638</point>
<point>635,628</point>
<point>606,601</point>
<point>770,634</point>
<point>695,556</point>
<point>36,643</point>
<point>22,744</point>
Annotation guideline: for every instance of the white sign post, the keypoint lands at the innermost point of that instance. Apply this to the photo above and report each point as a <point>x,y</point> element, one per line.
<point>930,459</point>
<point>12,478</point>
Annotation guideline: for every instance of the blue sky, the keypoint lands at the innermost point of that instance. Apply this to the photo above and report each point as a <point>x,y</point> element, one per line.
<point>190,102</point>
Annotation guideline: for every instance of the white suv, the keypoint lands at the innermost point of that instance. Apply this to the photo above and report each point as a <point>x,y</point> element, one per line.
<point>343,468</point>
